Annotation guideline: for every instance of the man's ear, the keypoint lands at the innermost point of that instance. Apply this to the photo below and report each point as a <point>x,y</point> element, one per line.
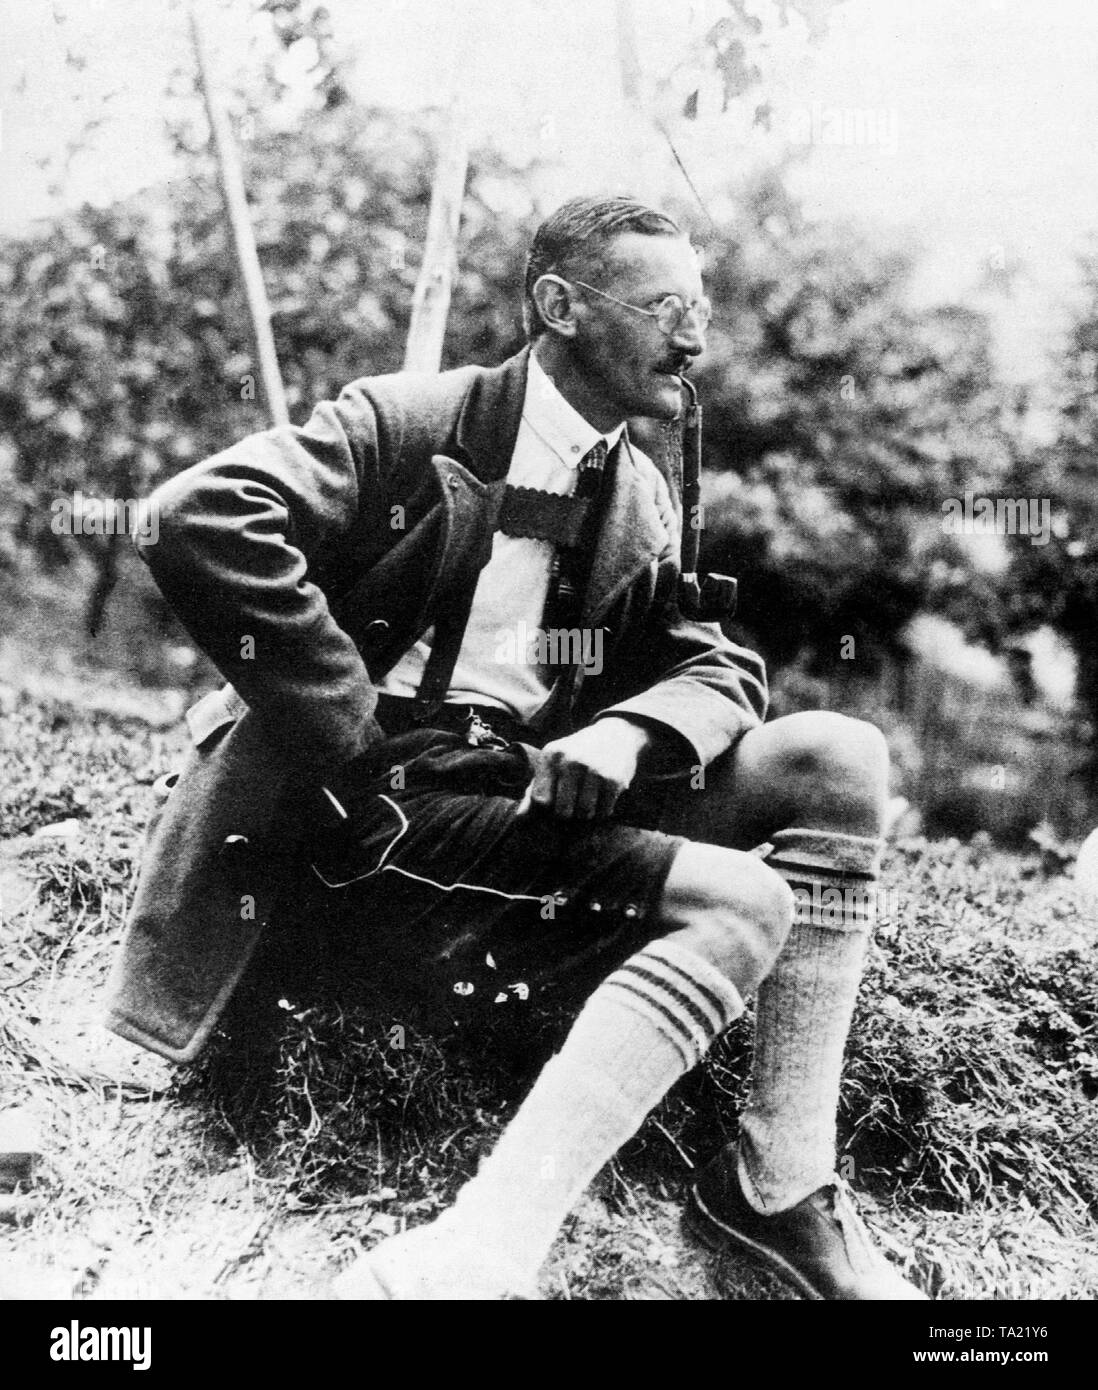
<point>553,298</point>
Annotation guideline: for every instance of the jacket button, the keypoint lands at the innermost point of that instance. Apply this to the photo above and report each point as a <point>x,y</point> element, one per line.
<point>453,480</point>
<point>237,860</point>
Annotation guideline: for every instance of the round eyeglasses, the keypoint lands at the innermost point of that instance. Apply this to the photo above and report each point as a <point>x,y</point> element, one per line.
<point>670,313</point>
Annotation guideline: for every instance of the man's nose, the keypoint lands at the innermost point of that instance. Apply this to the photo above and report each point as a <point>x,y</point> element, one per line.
<point>689,336</point>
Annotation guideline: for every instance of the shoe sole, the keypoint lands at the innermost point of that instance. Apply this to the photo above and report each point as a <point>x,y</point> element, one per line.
<point>717,1236</point>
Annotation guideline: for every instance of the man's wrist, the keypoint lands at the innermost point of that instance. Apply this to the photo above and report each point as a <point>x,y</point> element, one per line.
<point>632,731</point>
<point>665,752</point>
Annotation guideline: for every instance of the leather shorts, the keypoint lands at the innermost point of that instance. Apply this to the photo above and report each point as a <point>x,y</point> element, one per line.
<point>434,886</point>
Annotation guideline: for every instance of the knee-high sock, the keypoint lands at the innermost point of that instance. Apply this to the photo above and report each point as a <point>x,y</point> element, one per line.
<point>805,1005</point>
<point>645,1025</point>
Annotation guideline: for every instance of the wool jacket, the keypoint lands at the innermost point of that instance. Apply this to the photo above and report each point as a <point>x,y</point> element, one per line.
<point>305,562</point>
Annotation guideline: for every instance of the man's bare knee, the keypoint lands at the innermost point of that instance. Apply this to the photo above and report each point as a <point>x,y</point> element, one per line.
<point>831,765</point>
<point>729,907</point>
<point>817,740</point>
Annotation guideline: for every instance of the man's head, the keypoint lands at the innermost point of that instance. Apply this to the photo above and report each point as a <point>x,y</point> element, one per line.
<point>597,272</point>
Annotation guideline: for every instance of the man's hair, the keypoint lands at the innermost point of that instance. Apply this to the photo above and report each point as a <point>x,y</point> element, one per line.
<point>576,240</point>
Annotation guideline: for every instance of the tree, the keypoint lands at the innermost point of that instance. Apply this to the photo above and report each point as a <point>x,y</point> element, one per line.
<point>126,356</point>
<point>838,419</point>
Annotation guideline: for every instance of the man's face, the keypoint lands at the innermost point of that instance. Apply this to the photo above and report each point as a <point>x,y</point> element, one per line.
<point>623,355</point>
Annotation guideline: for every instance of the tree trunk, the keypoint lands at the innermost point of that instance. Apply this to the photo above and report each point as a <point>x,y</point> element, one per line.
<point>638,137</point>
<point>236,209</point>
<point>431,301</point>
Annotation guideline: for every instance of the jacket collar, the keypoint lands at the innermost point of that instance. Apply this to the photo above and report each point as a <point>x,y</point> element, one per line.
<point>488,425</point>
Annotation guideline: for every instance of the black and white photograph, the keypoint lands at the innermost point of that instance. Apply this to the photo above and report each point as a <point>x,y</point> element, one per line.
<point>549,661</point>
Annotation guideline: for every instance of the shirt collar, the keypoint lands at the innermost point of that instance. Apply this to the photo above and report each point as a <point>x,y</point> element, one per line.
<point>558,424</point>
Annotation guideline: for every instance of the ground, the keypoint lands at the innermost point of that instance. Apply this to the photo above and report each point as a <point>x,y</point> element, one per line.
<point>968,1117</point>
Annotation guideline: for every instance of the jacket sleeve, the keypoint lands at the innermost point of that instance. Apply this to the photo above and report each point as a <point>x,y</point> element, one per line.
<point>233,547</point>
<point>700,691</point>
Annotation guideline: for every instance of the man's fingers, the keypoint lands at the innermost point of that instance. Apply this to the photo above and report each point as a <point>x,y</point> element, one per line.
<point>541,791</point>
<point>570,788</point>
<point>589,796</point>
<point>567,790</point>
<point>608,799</point>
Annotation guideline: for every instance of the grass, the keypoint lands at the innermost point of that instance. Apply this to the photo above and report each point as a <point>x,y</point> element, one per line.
<point>313,1128</point>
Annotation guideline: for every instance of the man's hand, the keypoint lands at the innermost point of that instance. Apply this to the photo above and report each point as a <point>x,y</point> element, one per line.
<point>581,777</point>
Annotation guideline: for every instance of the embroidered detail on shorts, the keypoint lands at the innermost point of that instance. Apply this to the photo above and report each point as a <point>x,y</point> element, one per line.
<point>521,991</point>
<point>383,867</point>
<point>401,831</point>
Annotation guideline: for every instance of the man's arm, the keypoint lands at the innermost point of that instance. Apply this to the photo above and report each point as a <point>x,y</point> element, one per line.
<point>703,705</point>
<point>237,541</point>
<point>696,691</point>
<point>709,694</point>
<point>691,691</point>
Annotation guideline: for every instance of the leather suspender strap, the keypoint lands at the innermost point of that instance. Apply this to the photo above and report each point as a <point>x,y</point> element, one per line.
<point>445,647</point>
<point>543,516</point>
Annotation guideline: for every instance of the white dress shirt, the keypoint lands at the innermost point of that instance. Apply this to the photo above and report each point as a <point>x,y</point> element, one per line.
<point>493,666</point>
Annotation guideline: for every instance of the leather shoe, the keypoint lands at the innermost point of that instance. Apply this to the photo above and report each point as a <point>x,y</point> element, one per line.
<point>820,1246</point>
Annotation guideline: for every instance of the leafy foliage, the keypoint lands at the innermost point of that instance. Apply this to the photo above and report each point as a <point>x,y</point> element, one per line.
<point>837,421</point>
<point>127,355</point>
<point>1058,583</point>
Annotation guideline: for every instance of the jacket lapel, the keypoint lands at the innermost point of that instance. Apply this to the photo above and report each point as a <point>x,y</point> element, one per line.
<point>630,538</point>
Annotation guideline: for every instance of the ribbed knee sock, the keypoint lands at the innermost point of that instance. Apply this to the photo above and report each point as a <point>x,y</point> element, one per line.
<point>805,1006</point>
<point>646,1025</point>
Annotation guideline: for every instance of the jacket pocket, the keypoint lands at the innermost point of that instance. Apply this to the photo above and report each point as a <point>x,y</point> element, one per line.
<point>215,711</point>
<point>213,714</point>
